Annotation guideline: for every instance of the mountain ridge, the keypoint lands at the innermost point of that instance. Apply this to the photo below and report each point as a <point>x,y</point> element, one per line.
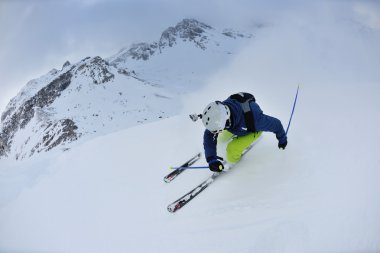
<point>95,95</point>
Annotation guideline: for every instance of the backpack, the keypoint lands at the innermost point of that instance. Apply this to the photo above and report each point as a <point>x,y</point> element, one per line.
<point>244,99</point>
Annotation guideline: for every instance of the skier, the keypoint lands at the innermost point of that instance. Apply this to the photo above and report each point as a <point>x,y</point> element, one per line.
<point>238,117</point>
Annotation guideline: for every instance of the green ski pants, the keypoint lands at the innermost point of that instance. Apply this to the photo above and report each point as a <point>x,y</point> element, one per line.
<point>238,144</point>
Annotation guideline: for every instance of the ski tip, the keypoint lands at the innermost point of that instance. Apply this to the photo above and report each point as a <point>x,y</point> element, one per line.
<point>169,178</point>
<point>171,209</point>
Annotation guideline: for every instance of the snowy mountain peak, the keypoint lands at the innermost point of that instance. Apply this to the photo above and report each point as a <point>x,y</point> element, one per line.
<point>66,64</point>
<point>187,30</point>
<point>96,96</point>
<point>96,69</point>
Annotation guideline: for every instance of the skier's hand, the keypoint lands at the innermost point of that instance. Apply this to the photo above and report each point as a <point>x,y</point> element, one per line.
<point>282,145</point>
<point>215,164</point>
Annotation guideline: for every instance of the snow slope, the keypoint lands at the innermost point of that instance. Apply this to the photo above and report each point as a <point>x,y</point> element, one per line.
<point>318,195</point>
<point>107,195</point>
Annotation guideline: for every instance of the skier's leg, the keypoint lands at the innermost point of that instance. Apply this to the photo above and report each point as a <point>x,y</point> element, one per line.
<point>236,147</point>
<point>225,136</point>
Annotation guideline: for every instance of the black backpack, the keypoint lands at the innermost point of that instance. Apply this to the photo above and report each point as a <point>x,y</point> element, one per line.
<point>245,99</point>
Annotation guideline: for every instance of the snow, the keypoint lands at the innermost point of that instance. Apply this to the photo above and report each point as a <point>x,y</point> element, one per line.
<point>318,195</point>
<point>108,195</point>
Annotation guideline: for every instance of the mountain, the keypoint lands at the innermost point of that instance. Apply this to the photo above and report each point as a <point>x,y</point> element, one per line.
<point>95,96</point>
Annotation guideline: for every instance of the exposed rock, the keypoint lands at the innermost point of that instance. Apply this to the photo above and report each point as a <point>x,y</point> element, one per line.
<point>142,51</point>
<point>60,132</point>
<point>126,72</point>
<point>67,63</point>
<point>7,112</point>
<point>187,30</point>
<point>235,34</point>
<point>3,150</point>
<point>23,115</point>
<point>64,130</point>
<point>96,69</point>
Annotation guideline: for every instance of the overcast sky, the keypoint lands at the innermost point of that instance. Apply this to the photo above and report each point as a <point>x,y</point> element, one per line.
<point>38,35</point>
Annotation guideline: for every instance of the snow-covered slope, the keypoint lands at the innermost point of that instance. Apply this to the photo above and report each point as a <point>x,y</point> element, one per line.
<point>141,84</point>
<point>108,195</point>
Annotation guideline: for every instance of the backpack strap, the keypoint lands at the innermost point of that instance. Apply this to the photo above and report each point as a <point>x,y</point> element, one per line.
<point>244,100</point>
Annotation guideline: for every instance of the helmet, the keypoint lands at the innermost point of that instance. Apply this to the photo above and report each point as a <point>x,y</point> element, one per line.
<point>215,116</point>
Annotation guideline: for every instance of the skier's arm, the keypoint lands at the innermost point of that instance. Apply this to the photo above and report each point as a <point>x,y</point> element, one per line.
<point>209,144</point>
<point>272,124</point>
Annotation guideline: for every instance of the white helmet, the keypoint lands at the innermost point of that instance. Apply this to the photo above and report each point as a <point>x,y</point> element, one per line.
<point>215,116</point>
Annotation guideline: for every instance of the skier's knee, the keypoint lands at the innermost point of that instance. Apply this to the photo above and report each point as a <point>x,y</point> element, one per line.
<point>233,154</point>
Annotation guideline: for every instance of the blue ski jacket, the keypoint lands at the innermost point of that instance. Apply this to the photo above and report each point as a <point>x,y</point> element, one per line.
<point>238,126</point>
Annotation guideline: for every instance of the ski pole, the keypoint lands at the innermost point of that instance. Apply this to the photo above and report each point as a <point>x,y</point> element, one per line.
<point>190,167</point>
<point>294,106</point>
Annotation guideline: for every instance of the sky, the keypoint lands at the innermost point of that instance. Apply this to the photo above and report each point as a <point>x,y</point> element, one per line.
<point>39,35</point>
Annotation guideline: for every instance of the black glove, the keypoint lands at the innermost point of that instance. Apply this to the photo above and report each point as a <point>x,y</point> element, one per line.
<point>282,145</point>
<point>215,164</point>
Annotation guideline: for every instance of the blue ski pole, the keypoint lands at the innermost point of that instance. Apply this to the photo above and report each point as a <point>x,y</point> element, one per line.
<point>186,168</point>
<point>294,106</point>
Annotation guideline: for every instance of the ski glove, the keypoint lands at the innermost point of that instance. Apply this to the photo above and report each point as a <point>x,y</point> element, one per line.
<point>215,163</point>
<point>282,145</point>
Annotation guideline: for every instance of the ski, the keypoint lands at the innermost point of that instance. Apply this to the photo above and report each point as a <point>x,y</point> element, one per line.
<point>179,203</point>
<point>172,175</point>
